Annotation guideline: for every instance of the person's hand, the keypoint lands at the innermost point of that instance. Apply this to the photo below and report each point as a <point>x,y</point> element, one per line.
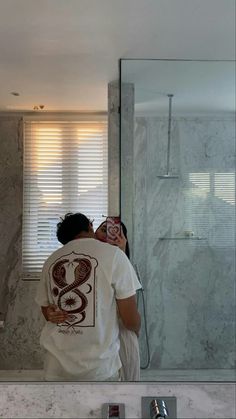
<point>119,241</point>
<point>55,315</point>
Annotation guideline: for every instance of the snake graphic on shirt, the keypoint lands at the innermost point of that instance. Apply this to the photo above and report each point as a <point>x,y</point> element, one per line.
<point>68,275</point>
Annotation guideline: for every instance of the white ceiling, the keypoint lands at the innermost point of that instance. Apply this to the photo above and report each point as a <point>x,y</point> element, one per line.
<point>63,53</point>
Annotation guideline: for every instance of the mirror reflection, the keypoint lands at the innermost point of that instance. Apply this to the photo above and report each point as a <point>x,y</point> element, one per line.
<point>177,190</point>
<point>178,202</point>
<point>87,289</point>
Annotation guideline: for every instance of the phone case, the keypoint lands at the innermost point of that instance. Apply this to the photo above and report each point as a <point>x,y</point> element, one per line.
<point>113,227</point>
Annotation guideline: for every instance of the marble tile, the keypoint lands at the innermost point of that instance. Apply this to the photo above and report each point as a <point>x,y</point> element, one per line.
<point>113,149</point>
<point>126,149</point>
<point>85,400</point>
<point>19,337</point>
<point>189,283</point>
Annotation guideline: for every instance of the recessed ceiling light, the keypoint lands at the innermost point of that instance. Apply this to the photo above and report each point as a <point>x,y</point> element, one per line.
<point>38,107</point>
<point>15,94</point>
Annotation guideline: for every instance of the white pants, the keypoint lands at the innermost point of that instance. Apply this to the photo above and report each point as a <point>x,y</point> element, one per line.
<point>129,354</point>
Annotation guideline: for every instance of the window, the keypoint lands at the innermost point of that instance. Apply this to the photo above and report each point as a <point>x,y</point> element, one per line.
<point>210,208</point>
<point>65,170</point>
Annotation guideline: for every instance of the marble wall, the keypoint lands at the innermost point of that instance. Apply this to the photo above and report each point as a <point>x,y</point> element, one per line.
<point>114,149</point>
<point>19,337</point>
<point>22,320</point>
<point>189,283</point>
<point>195,283</point>
<point>198,401</point>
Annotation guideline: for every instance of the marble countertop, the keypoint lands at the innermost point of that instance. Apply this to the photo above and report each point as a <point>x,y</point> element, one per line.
<point>72,400</point>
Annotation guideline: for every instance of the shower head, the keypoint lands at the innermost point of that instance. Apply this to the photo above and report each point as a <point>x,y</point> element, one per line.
<point>168,175</point>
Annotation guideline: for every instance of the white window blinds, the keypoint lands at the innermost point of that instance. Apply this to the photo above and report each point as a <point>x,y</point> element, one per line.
<point>65,170</point>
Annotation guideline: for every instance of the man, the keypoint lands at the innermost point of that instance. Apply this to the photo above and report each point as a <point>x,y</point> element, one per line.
<point>81,287</point>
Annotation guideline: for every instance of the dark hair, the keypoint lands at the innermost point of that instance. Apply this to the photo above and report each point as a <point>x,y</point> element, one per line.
<point>127,251</point>
<point>71,226</point>
<point>124,229</point>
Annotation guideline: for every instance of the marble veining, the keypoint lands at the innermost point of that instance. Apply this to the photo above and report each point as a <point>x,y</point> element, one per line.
<point>85,400</point>
<point>189,284</point>
<point>113,149</point>
<point>19,338</point>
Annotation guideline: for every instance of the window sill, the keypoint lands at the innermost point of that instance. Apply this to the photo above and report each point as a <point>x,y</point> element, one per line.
<point>31,276</point>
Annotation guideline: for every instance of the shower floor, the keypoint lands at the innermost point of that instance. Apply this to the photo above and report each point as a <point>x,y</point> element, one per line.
<point>219,375</point>
<point>222,375</point>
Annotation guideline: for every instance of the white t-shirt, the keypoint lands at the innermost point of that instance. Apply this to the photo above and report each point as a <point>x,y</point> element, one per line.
<point>84,278</point>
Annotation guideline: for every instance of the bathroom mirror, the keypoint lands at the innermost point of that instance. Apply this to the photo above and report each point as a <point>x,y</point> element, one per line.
<point>178,201</point>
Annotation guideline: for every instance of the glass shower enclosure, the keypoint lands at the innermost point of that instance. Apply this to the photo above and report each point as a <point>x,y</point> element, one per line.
<point>177,199</point>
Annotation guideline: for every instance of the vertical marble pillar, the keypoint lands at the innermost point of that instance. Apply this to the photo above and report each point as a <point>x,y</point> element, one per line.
<point>121,176</point>
<point>11,204</point>
<point>127,159</point>
<point>19,336</point>
<point>113,149</point>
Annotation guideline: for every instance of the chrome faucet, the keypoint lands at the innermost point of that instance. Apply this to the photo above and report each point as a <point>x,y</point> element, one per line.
<point>158,409</point>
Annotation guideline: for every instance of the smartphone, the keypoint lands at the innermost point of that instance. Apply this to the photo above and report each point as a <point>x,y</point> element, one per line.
<point>113,227</point>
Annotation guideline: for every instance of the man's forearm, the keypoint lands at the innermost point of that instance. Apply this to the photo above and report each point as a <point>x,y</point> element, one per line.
<point>44,310</point>
<point>135,326</point>
<point>129,313</point>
